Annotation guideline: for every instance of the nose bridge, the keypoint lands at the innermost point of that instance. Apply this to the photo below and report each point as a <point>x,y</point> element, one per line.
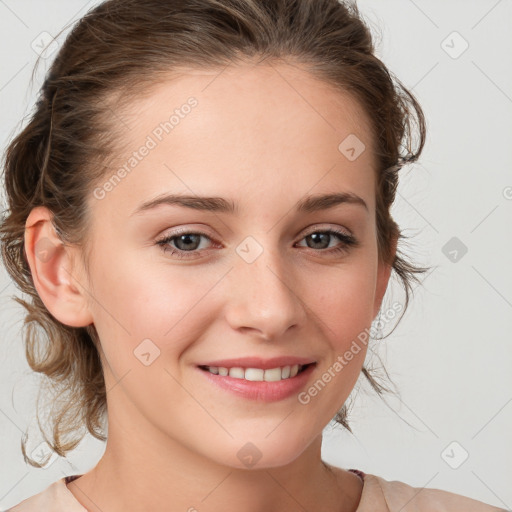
<point>262,294</point>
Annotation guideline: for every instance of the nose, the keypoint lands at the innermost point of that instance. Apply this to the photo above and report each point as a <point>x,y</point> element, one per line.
<point>263,296</point>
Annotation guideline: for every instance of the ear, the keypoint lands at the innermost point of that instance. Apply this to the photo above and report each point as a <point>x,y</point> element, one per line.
<point>383,274</point>
<point>57,279</point>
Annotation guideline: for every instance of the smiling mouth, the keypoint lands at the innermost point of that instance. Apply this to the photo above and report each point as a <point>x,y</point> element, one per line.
<point>258,374</point>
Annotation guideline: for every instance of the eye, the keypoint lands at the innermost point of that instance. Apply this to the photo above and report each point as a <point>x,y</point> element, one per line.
<point>186,242</point>
<point>319,238</point>
<point>179,244</point>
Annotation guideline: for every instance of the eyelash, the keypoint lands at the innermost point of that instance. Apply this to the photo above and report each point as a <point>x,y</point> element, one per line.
<point>347,242</point>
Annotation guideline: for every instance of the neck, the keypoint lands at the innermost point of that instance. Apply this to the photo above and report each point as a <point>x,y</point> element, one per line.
<point>153,472</point>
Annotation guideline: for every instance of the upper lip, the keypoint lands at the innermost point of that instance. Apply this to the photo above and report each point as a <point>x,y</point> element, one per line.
<point>259,362</point>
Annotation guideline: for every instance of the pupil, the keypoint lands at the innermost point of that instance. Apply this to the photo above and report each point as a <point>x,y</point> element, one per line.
<point>187,239</point>
<point>314,236</point>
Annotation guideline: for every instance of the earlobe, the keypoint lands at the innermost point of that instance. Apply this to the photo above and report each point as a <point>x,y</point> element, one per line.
<point>53,273</point>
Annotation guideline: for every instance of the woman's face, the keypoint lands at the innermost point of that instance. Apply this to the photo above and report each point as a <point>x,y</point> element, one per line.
<point>261,286</point>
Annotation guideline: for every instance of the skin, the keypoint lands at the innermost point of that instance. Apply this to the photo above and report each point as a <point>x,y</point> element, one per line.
<point>173,437</point>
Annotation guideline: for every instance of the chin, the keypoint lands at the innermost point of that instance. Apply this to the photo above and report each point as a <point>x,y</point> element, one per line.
<point>263,453</point>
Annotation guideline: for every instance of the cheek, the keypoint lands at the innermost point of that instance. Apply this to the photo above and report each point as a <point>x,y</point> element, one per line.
<point>133,305</point>
<point>344,300</point>
<point>345,311</point>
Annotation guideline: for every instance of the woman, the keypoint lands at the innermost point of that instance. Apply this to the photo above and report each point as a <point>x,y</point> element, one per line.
<point>200,212</point>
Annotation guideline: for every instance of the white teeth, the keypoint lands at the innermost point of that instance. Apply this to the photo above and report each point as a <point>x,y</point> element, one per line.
<point>256,374</point>
<point>236,373</point>
<point>272,375</point>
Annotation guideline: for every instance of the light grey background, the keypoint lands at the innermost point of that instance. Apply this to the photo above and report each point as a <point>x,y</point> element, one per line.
<point>451,356</point>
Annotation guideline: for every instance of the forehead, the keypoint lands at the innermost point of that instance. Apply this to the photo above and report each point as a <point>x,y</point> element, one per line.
<point>244,126</point>
<point>271,95</point>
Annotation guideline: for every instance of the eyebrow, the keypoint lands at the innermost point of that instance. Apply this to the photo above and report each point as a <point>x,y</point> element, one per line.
<point>308,204</point>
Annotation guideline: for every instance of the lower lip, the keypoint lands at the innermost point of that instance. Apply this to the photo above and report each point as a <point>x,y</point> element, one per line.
<point>261,390</point>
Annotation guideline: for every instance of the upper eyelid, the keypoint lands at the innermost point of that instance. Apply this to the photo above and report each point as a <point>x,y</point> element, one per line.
<point>314,229</point>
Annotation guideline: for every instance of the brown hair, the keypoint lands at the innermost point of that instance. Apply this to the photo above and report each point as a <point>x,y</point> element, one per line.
<point>114,54</point>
